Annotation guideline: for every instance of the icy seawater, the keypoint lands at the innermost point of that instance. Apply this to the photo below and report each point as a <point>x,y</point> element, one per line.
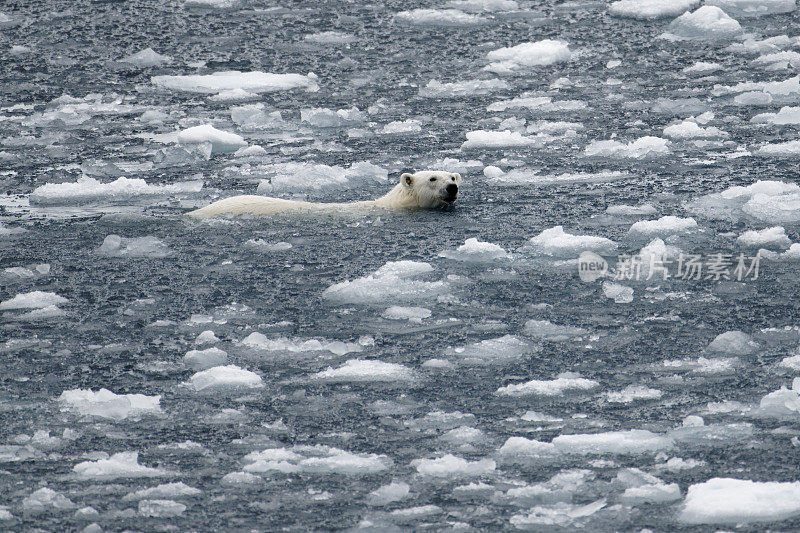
<point>601,334</point>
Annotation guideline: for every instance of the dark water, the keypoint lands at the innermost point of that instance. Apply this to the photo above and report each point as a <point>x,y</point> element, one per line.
<point>129,320</point>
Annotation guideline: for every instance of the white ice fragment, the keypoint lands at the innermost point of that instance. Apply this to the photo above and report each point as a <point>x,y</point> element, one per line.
<point>651,9</point>
<point>558,243</point>
<point>521,449</point>
<point>689,129</point>
<point>563,383</point>
<point>768,237</point>
<point>119,465</point>
<point>393,282</point>
<point>161,508</point>
<point>387,494</point>
<point>459,89</point>
<point>621,294</point>
<point>91,190</point>
<point>146,58</point>
<point>666,225</point>
<point>546,330</point>
<point>753,8</point>
<point>205,359</point>
<point>149,246</point>
<point>508,348</point>
<point>163,492</point>
<point>259,341</point>
<point>642,148</point>
<point>705,23</point>
<point>740,501</point>
<point>327,118</point>
<point>450,466</point>
<point>33,300</point>
<point>733,343</point>
<point>412,314</point>
<point>240,478</point>
<point>481,6</point>
<point>402,127</point>
<point>46,499</point>
<point>224,379</point>
<point>630,442</point>
<point>528,55</point>
<point>221,141</point>
<point>292,177</point>
<point>256,82</point>
<point>438,17</point>
<point>475,251</point>
<point>106,404</point>
<point>206,337</point>
<point>631,393</point>
<point>359,370</point>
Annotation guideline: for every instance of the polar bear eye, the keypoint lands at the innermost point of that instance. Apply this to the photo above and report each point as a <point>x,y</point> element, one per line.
<point>433,179</point>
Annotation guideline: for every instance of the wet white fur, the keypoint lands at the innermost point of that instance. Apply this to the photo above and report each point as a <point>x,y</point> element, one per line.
<point>421,190</point>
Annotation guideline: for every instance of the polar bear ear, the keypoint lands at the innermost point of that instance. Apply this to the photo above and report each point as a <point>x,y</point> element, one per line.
<point>407,178</point>
<point>457,176</point>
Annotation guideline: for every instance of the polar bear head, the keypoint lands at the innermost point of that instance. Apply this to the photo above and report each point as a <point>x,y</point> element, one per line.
<point>432,188</point>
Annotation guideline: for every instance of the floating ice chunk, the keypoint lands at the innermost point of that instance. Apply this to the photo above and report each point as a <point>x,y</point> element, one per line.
<point>206,337</point>
<point>463,436</point>
<point>642,148</point>
<point>774,199</point>
<point>767,237</point>
<point>528,55</point>
<point>632,393</point>
<point>393,282</point>
<point>546,330</point>
<point>402,127</point>
<point>688,129</point>
<point>475,251</point>
<point>782,404</point>
<point>556,242</point>
<point>386,494</point>
<point>316,459</point>
<point>779,60</point>
<point>311,176</point>
<point>543,104</point>
<point>46,500</point>
<point>527,177</point>
<point>224,379</point>
<point>651,9</point>
<point>255,82</point>
<point>5,514</point>
<point>753,98</point>
<point>33,300</point>
<point>438,17</point>
<point>652,493</point>
<point>205,359</point>
<point>630,442</point>
<point>327,118</point>
<point>792,362</point>
<point>119,465</point>
<point>92,190</point>
<point>412,314</point>
<point>517,449</point>
<point>666,225</point>
<point>621,294</point>
<point>44,313</point>
<point>221,141</point>
<point>146,58</point>
<point>779,209</point>
<point>563,383</point>
<point>450,466</point>
<point>263,246</point>
<point>330,37</point>
<point>415,513</point>
<point>705,23</point>
<point>702,68</point>
<point>736,501</point>
<point>359,370</point>
<point>733,343</point>
<point>481,6</point>
<point>106,404</point>
<point>501,350</point>
<point>212,4</point>
<point>467,88</point>
<point>163,492</point>
<point>259,341</point>
<point>784,149</point>
<point>6,231</point>
<point>786,115</point>
<point>561,515</point>
<point>161,508</point>
<point>498,139</point>
<point>753,8</point>
<point>116,246</point>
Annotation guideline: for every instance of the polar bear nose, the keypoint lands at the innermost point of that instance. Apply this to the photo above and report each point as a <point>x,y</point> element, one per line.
<point>451,189</point>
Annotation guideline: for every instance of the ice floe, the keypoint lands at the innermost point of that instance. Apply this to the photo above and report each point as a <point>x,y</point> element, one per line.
<point>651,9</point>
<point>87,190</point>
<point>753,8</point>
<point>767,237</point>
<point>563,383</point>
<point>740,501</point>
<point>785,116</point>
<point>412,314</point>
<point>475,251</point>
<point>106,404</point>
<point>438,17</point>
<point>481,6</point>
<point>150,246</point>
<point>119,465</point>
<point>293,177</point>
<point>160,508</point>
<point>689,129</point>
<point>204,359</point>
<point>624,442</point>
<point>393,282</point>
<point>528,55</point>
<point>146,58</point>
<point>224,379</point>
<point>387,494</point>
<point>162,492</point>
<point>255,82</point>
<point>632,393</point>
<point>33,300</point>
<point>505,349</point>
<point>555,242</point>
<point>46,500</point>
<point>642,148</point>
<point>317,459</point>
<point>260,342</point>
<point>222,142</point>
<point>733,343</point>
<point>783,404</point>
<point>666,225</point>
<point>546,330</point>
<point>366,371</point>
<point>450,466</point>
<point>458,89</point>
<point>705,23</point>
<point>538,103</point>
<point>527,177</point>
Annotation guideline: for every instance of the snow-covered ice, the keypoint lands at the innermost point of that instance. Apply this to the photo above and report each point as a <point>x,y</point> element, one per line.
<point>642,148</point>
<point>527,56</point>
<point>88,189</point>
<point>740,501</point>
<point>256,82</point>
<point>224,379</point>
<point>556,242</point>
<point>366,371</point>
<point>150,246</point>
<point>553,387</point>
<point>120,465</point>
<point>651,9</point>
<point>106,404</point>
<point>705,23</point>
<point>395,281</point>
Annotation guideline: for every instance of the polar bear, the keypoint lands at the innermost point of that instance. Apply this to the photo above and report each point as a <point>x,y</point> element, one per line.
<point>427,189</point>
